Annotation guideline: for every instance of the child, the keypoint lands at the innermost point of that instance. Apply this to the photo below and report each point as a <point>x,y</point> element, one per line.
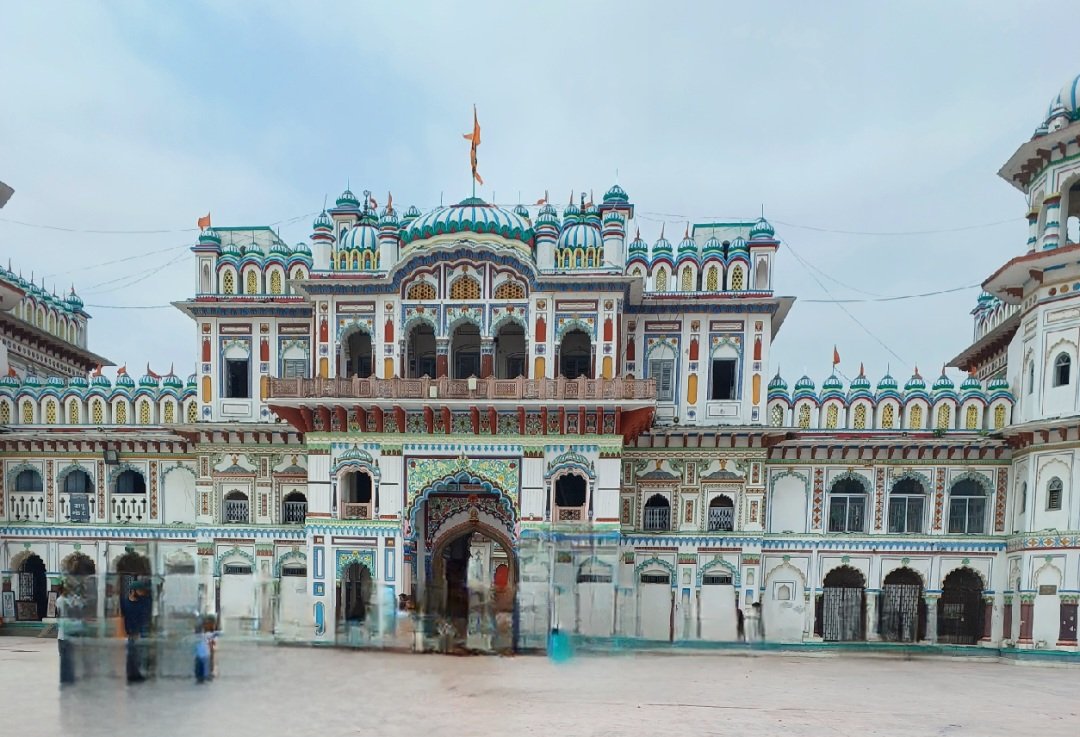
<point>204,642</point>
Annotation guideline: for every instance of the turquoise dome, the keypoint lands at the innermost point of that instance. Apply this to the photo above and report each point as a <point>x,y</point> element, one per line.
<point>832,385</point>
<point>472,215</point>
<point>302,248</point>
<point>209,237</point>
<point>279,248</point>
<point>411,214</point>
<point>347,199</point>
<point>860,383</point>
<point>521,211</point>
<point>687,248</point>
<point>32,380</point>
<point>148,380</point>
<point>124,380</point>
<point>887,384</point>
<point>323,222</point>
<point>388,219</point>
<point>172,381</point>
<point>581,235</point>
<point>638,246</point>
<point>1064,108</point>
<point>230,249</point>
<point>662,247</point>
<point>78,382</point>
<point>915,383</point>
<point>363,237</point>
<point>192,380</point>
<point>777,382</point>
<point>74,302</point>
<point>804,384</point>
<point>55,382</point>
<point>713,247</point>
<point>8,380</point>
<point>762,230</point>
<point>548,209</point>
<point>943,384</point>
<point>616,195</point>
<point>101,380</point>
<point>971,385</point>
<point>738,247</point>
<point>571,214</point>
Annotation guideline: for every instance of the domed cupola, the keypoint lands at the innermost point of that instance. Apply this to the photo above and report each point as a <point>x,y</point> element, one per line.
<point>998,387</point>
<point>521,211</point>
<point>616,195</point>
<point>713,248</point>
<point>887,385</point>
<point>473,216</point>
<point>101,381</point>
<point>916,383</point>
<point>860,385</point>
<point>548,209</point>
<point>55,382</point>
<point>323,223</point>
<point>970,387</point>
<point>661,250</point>
<point>411,214</point>
<point>280,249</point>
<point>74,302</point>
<point>738,247</point>
<point>209,237</point>
<point>124,380</point>
<point>804,387</point>
<point>943,384</point>
<point>362,237</point>
<point>231,251</point>
<point>590,214</point>
<point>78,382</point>
<point>347,200</point>
<point>581,235</point>
<point>832,387</point>
<point>32,381</point>
<point>192,381</point>
<point>302,249</point>
<point>149,380</point>
<point>388,219</point>
<point>778,388</point>
<point>571,214</point>
<point>9,381</point>
<point>687,247</point>
<point>762,231</point>
<point>172,381</point>
<point>637,250</point>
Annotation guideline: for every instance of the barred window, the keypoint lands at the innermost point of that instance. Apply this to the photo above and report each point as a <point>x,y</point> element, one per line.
<point>465,287</point>
<point>421,291</point>
<point>169,414</point>
<point>687,279</point>
<point>251,282</point>
<point>737,279</point>
<point>832,416</point>
<point>971,420</point>
<point>859,421</point>
<point>804,416</point>
<point>712,280</point>
<point>121,413</point>
<point>193,412</point>
<point>888,416</point>
<point>661,280</point>
<point>916,417</point>
<point>27,413</point>
<point>510,290</point>
<point>655,578</point>
<point>275,282</point>
<point>73,413</point>
<point>5,413</point>
<point>944,417</point>
<point>97,412</point>
<point>228,282</point>
<point>999,417</point>
<point>776,416</point>
<point>144,412</point>
<point>50,413</point>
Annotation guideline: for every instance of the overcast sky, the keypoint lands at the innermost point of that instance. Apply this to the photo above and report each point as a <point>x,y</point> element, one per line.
<point>863,117</point>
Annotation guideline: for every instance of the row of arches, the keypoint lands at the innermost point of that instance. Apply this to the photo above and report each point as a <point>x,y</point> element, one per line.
<point>253,279</point>
<point>657,517</point>
<point>53,321</point>
<point>908,505</point>
<point>78,481</point>
<point>713,276</point>
<point>463,287</point>
<point>914,414</point>
<point>98,410</point>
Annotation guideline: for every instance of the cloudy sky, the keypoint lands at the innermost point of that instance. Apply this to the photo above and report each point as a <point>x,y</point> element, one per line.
<point>871,135</point>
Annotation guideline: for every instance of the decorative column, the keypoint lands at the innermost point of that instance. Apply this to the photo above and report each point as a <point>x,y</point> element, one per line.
<point>931,601</point>
<point>1027,613</point>
<point>442,357</point>
<point>988,618</point>
<point>1052,229</point>
<point>487,357</point>
<point>1006,619</point>
<point>872,596</point>
<point>1067,631</point>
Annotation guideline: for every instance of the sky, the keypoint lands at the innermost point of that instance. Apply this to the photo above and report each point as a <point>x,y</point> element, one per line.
<point>870,135</point>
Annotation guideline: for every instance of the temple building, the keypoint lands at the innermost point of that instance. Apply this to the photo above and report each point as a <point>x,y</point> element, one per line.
<point>522,418</point>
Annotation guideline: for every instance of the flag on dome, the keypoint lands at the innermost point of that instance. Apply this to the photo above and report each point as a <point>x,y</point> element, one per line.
<point>204,222</point>
<point>835,356</point>
<point>475,138</point>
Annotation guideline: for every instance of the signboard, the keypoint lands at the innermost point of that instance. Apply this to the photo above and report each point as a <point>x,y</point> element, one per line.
<point>26,611</point>
<point>79,510</point>
<point>1050,590</point>
<point>50,612</point>
<point>9,605</point>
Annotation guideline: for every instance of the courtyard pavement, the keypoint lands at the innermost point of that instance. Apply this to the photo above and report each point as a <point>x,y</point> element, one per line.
<point>268,691</point>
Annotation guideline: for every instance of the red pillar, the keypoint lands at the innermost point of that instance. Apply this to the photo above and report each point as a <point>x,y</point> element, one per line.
<point>486,362</point>
<point>1027,612</point>
<point>442,362</point>
<point>1067,631</point>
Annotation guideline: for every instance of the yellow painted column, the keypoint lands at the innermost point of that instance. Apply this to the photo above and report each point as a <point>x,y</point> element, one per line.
<point>606,371</point>
<point>691,389</point>
<point>539,368</point>
<point>264,387</point>
<point>756,389</point>
<point>388,368</point>
<point>207,389</point>
<point>324,367</point>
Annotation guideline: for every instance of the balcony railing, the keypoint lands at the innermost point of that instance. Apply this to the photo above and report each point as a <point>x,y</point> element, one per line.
<point>76,507</point>
<point>721,519</point>
<point>294,513</point>
<point>236,511</point>
<point>356,511</point>
<point>569,514</point>
<point>129,508</point>
<point>657,518</point>
<point>467,389</point>
<point>27,506</point>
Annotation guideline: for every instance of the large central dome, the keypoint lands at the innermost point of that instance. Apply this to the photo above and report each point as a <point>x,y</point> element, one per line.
<point>472,215</point>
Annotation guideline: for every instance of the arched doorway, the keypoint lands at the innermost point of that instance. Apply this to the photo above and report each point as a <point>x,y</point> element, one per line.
<point>465,351</point>
<point>841,614</point>
<point>510,354</point>
<point>960,608</point>
<point>131,569</point>
<point>358,495</point>
<point>902,611</point>
<point>356,355</point>
<point>420,351</point>
<point>33,590</point>
<point>575,355</point>
<point>354,595</point>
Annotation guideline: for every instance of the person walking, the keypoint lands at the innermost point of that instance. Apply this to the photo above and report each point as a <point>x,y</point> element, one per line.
<point>66,626</point>
<point>136,610</point>
<point>204,646</point>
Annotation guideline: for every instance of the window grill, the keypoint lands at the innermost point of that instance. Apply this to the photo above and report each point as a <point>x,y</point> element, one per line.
<point>236,569</point>
<point>236,511</point>
<point>294,512</point>
<point>657,518</point>
<point>656,578</point>
<point>716,579</point>
<point>593,578</point>
<point>297,571</point>
<point>721,519</point>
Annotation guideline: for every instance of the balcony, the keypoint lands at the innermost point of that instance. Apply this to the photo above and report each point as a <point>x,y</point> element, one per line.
<point>27,506</point>
<point>293,513</point>
<point>570,514</point>
<point>356,511</point>
<point>129,508</point>
<point>425,389</point>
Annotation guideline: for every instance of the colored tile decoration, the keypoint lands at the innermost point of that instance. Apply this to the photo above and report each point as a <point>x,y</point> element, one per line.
<point>462,422</point>
<point>502,474</point>
<point>205,506</point>
<point>345,558</point>
<point>441,507</point>
<point>939,498</point>
<point>1002,493</point>
<point>751,559</point>
<point>101,489</point>
<point>153,489</point>
<point>50,489</point>
<point>390,422</point>
<point>533,424</point>
<point>687,559</point>
<point>553,423</point>
<point>508,423</point>
<point>819,496</point>
<point>879,499</point>
<point>414,422</point>
<point>688,515</point>
<point>627,510</point>
<point>205,548</point>
<point>1,493</point>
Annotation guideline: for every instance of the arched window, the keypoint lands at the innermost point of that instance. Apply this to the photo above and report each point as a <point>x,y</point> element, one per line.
<point>1054,492</point>
<point>169,413</point>
<point>687,280</point>
<point>570,497</point>
<point>120,414</point>
<point>832,416</point>
<point>776,415</point>
<point>73,413</point>
<point>1023,499</point>
<point>77,482</point>
<point>421,290</point>
<point>657,513</point>
<point>236,508</point>
<point>358,492</point>
<point>50,412</point>
<point>661,280</point>
<point>275,282</point>
<point>28,480</point>
<point>1031,377</point>
<point>144,412</point>
<point>967,508</point>
<point>228,282</point>
<point>97,412</point>
<point>5,413</point>
<point>251,282</point>
<point>859,419</point>
<point>297,274</point>
<point>847,506</point>
<point>915,418</point>
<point>944,417</point>
<point>193,412</point>
<point>510,290</point>
<point>294,508</point>
<point>888,416</point>
<point>999,417</point>
<point>637,272</point>
<point>712,279</point>
<point>130,482</point>
<point>27,413</point>
<point>971,418</point>
<point>1062,365</point>
<point>907,502</point>
<point>465,287</point>
<point>721,514</point>
<point>737,278</point>
<point>804,417</point>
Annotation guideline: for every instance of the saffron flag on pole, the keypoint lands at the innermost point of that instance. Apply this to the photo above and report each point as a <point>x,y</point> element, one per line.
<point>835,356</point>
<point>204,222</point>
<point>475,138</point>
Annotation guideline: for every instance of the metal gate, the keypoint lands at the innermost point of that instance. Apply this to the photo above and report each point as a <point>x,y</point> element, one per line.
<point>842,614</point>
<point>900,612</point>
<point>960,615</point>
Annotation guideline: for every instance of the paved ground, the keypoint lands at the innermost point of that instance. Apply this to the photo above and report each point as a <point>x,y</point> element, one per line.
<point>289,691</point>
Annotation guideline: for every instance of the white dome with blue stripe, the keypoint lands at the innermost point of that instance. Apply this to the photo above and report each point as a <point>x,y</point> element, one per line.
<point>1063,109</point>
<point>581,235</point>
<point>362,237</point>
<point>472,215</point>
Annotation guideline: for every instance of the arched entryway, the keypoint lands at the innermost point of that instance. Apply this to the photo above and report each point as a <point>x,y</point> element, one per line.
<point>465,351</point>
<point>354,594</point>
<point>841,606</point>
<point>510,353</point>
<point>359,497</point>
<point>131,568</point>
<point>420,351</point>
<point>902,611</point>
<point>575,355</point>
<point>32,591</point>
<point>960,608</point>
<point>356,358</point>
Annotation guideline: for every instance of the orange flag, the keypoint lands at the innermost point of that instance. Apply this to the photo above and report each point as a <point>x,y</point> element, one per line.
<point>204,222</point>
<point>475,138</point>
<point>835,356</point>
<point>389,202</point>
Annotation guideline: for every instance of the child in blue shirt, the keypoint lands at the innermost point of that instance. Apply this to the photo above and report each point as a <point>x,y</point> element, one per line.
<point>203,646</point>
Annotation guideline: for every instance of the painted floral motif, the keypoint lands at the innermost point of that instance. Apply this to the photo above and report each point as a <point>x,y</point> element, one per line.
<point>503,474</point>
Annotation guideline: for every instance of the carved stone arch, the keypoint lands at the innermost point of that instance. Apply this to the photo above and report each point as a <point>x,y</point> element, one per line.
<point>233,552</point>
<point>720,563</point>
<point>724,342</point>
<point>292,555</point>
<point>825,574</point>
<point>14,471</point>
<point>574,323</point>
<point>986,484</point>
<point>1048,564</point>
<point>788,472</point>
<point>1041,472</point>
<point>166,470</point>
<point>900,566</point>
<point>516,316</point>
<point>570,462</point>
<point>663,343</point>
<point>1054,349</point>
<point>356,324</point>
<point>654,561</point>
<point>461,476</point>
<point>465,318</point>
<point>418,317</point>
<point>786,565</point>
<point>960,567</point>
<point>120,468</point>
<point>923,479</point>
<point>74,466</point>
<point>867,486</point>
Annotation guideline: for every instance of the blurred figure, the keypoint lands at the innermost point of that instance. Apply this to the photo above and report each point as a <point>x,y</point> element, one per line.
<point>136,609</point>
<point>205,637</point>
<point>66,627</point>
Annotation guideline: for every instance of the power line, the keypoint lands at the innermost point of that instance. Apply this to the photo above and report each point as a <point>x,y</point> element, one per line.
<point>102,264</point>
<point>667,217</point>
<point>158,231</point>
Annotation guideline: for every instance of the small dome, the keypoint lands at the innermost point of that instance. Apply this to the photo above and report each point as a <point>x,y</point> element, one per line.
<point>662,247</point>
<point>970,385</point>
<point>762,231</point>
<point>100,380</point>
<point>581,235</point>
<point>804,383</point>
<point>616,195</point>
<point>943,384</point>
<point>323,222</point>
<point>74,302</point>
<point>521,211</point>
<point>687,247</point>
<point>148,380</point>
<point>209,237</point>
<point>832,384</point>
<point>192,380</point>
<point>915,383</point>
<point>347,199</point>
<point>230,249</point>
<point>280,248</point>
<point>172,381</point>
<point>887,383</point>
<point>713,247</point>
<point>411,214</point>
<point>638,245</point>
<point>860,383</point>
<point>55,381</point>
<point>571,214</point>
<point>738,246</point>
<point>78,382</point>
<point>777,382</point>
<point>31,380</point>
<point>388,219</point>
<point>472,215</point>
<point>548,209</point>
<point>125,380</point>
<point>302,248</point>
<point>363,237</point>
<point>9,380</point>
